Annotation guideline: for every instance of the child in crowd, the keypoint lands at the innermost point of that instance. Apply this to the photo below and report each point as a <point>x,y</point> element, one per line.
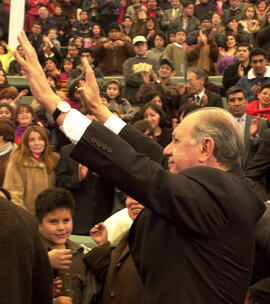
<point>11,96</point>
<point>176,53</point>
<point>54,208</point>
<point>116,102</point>
<point>6,112</point>
<point>53,36</point>
<point>25,117</point>
<point>5,54</point>
<point>63,77</point>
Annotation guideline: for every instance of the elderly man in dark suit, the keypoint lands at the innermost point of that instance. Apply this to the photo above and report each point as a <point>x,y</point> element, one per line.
<point>252,128</point>
<point>196,91</point>
<point>194,241</point>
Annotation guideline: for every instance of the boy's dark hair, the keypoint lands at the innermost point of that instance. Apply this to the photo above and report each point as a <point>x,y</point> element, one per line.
<point>36,23</point>
<point>187,3</point>
<point>244,44</point>
<point>180,30</point>
<point>52,199</point>
<point>258,51</point>
<point>53,28</point>
<point>128,17</point>
<point>52,76</point>
<point>87,50</point>
<point>84,11</point>
<point>7,130</point>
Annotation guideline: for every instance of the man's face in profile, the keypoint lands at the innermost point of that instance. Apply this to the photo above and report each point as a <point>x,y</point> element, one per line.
<point>183,151</point>
<point>194,85</point>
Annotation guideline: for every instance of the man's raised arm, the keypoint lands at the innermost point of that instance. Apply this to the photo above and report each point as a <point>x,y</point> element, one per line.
<point>42,92</point>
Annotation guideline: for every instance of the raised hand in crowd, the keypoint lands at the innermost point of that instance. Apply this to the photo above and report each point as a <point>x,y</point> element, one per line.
<point>145,77</point>
<point>109,45</point>
<point>154,75</point>
<point>39,86</point>
<point>182,89</point>
<point>256,89</point>
<point>99,234</point>
<point>241,71</point>
<point>254,126</point>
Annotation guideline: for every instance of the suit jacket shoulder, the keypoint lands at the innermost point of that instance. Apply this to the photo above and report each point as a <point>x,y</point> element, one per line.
<point>214,100</point>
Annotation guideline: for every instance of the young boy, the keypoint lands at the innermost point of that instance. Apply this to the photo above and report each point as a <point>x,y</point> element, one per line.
<point>53,36</point>
<point>176,53</point>
<point>54,208</point>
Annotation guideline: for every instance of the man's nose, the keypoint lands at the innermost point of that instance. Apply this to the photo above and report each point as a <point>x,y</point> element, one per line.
<point>168,149</point>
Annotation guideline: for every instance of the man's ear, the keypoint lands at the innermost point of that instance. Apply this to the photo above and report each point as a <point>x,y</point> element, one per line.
<point>207,149</point>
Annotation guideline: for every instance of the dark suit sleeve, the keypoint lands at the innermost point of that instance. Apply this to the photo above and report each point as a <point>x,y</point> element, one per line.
<point>143,144</point>
<point>66,172</point>
<point>180,199</point>
<point>259,168</point>
<point>214,100</point>
<point>230,77</point>
<point>260,291</point>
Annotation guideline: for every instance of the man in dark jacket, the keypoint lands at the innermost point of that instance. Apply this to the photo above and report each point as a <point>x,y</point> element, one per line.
<point>196,91</point>
<point>83,27</point>
<point>237,70</point>
<point>112,54</point>
<point>203,210</point>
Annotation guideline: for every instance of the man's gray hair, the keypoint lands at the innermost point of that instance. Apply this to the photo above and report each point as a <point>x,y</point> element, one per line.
<point>220,125</point>
<point>199,73</point>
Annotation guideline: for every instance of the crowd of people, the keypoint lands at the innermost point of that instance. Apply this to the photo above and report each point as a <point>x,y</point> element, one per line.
<point>140,46</point>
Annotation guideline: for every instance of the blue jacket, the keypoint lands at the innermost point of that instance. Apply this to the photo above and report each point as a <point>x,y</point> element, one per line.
<point>249,80</point>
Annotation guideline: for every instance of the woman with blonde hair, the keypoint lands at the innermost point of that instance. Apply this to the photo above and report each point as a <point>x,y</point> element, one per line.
<point>31,168</point>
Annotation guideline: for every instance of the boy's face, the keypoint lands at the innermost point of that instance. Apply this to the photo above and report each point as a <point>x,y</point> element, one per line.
<point>56,227</point>
<point>180,37</point>
<point>52,34</point>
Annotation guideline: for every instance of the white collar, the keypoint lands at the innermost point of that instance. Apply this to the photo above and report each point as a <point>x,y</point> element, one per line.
<point>178,45</point>
<point>243,118</point>
<point>200,95</point>
<point>251,74</point>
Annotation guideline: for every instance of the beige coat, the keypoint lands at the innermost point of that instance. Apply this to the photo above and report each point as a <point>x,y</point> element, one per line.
<point>25,183</point>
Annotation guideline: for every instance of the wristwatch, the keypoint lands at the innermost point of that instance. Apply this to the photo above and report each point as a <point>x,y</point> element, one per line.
<point>62,107</point>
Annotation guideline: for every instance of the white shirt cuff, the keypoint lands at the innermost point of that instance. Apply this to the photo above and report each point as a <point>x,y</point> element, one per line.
<point>115,124</point>
<point>75,124</point>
